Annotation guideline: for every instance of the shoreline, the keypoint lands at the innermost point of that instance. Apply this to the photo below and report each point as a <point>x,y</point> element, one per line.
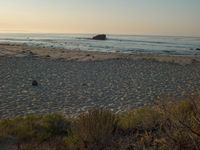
<point>23,50</point>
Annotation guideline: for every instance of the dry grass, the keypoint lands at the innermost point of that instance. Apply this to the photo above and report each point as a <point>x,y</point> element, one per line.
<point>172,125</point>
<point>95,129</point>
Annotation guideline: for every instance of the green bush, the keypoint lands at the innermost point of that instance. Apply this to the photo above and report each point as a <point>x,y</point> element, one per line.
<point>172,125</point>
<point>96,128</point>
<point>54,125</point>
<point>143,118</point>
<point>34,127</point>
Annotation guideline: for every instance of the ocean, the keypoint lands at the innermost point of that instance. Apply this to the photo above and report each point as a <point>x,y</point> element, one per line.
<point>165,45</point>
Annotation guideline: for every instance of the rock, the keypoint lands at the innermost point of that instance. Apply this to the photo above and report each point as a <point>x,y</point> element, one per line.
<point>24,91</point>
<point>198,49</point>
<point>84,84</point>
<point>34,83</point>
<point>100,37</point>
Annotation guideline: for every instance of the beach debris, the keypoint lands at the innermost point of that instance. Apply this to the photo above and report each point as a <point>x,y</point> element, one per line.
<point>84,84</point>
<point>100,37</point>
<point>34,83</point>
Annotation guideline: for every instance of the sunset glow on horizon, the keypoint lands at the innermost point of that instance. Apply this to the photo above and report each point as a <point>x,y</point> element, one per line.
<point>145,17</point>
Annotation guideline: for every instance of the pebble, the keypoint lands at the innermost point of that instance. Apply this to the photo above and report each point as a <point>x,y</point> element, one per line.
<point>73,86</point>
<point>24,91</point>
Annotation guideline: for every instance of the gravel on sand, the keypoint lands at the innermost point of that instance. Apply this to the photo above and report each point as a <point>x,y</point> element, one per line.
<point>71,86</point>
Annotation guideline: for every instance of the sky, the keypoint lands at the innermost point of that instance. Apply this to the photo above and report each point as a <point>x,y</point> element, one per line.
<point>133,17</point>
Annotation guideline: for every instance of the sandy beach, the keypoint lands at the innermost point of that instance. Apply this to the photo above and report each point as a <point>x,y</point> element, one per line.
<point>99,75</point>
<point>74,81</point>
<point>23,50</point>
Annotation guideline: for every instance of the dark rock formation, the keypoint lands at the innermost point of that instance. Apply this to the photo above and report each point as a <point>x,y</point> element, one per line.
<point>100,37</point>
<point>198,49</point>
<point>34,83</point>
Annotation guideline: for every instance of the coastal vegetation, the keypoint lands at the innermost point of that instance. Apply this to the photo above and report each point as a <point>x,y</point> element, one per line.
<point>174,124</point>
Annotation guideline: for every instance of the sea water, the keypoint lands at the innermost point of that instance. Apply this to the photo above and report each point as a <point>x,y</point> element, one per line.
<point>166,45</point>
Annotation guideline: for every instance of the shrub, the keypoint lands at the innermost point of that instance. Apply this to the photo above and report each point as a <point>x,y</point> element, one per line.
<point>34,127</point>
<point>172,125</point>
<point>54,125</point>
<point>182,124</point>
<point>96,128</point>
<point>142,118</point>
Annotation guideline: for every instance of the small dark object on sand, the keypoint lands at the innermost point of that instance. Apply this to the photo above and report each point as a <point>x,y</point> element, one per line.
<point>100,37</point>
<point>198,49</point>
<point>84,84</point>
<point>87,55</point>
<point>34,83</point>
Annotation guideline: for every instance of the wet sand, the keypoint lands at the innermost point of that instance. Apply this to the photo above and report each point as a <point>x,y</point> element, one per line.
<point>23,50</point>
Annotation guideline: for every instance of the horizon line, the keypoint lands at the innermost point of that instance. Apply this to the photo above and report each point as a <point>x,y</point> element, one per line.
<point>118,34</point>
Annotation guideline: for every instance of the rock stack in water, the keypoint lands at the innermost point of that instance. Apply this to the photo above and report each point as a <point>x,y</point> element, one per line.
<point>100,37</point>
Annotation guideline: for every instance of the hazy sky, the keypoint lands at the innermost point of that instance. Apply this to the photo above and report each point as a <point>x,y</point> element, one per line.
<point>157,17</point>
